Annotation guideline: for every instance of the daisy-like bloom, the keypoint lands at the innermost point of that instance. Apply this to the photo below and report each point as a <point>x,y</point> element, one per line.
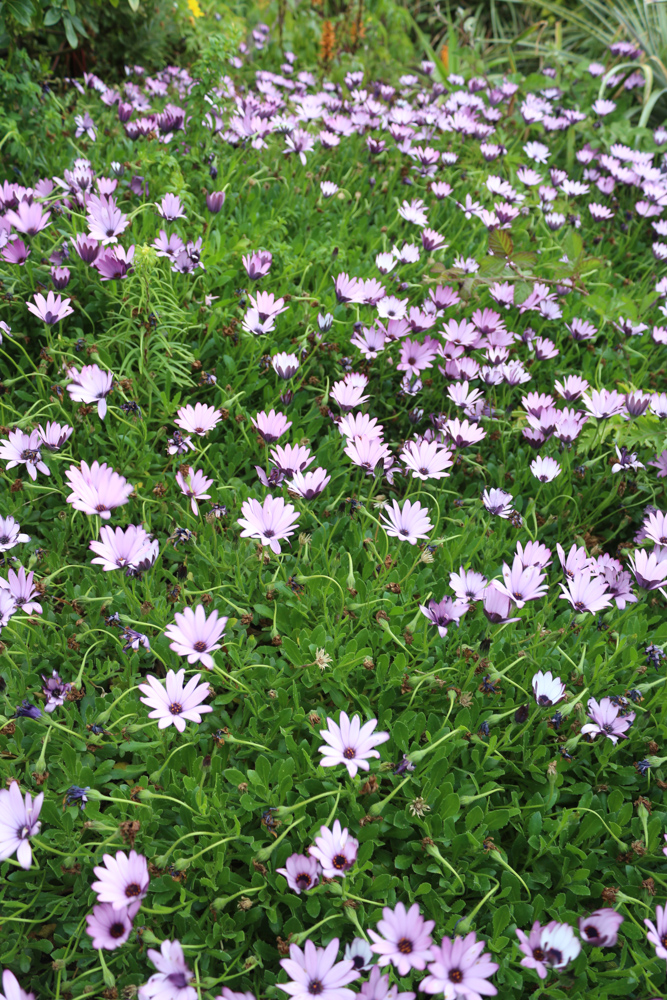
<point>269,521</point>
<point>51,309</point>
<point>168,246</point>
<point>463,433</point>
<point>97,489</point>
<point>604,403</point>
<point>194,635</point>
<point>370,454</point>
<point>571,388</point>
<point>54,435</point>
<point>459,969</point>
<point>170,208</point>
<point>649,568</point>
<point>16,253</point>
<point>24,448</point>
<point>271,426</point>
<point>347,395</point>
<point>302,873</point>
<point>391,307</point>
<point>171,980</point>
<point>115,263</point>
<point>607,720</point>
<point>86,248</point>
<point>426,460</point>
<point>545,469</point>
<point>403,938</point>
<point>110,928</point>
<point>193,486</point>
<point>576,562</point>
<point>314,972</point>
<point>370,341</point>
<point>625,460</point>
<point>173,703</point>
<point>414,211</point>
<point>660,463</point>
<point>498,502</point>
<point>29,218</point>
<point>7,608</point>
<point>55,691</point>
<point>328,189</point>
<point>291,458</point>
<point>257,264</point>
<point>198,419</point>
<point>548,690</point>
<point>655,527</point>
<point>586,593</point>
<point>90,385</point>
<point>359,952</point>
<point>444,613</point>
<point>128,549</point>
<point>23,591</point>
<point>350,743</point>
<point>19,821</point>
<point>657,934</point>
<point>532,949</point>
<point>335,850</point>
<point>559,944</point>
<point>468,585</point>
<point>10,534</point>
<point>534,554</point>
<point>285,365</point>
<point>497,607</point>
<point>308,484</point>
<point>122,881</point>
<point>601,929</point>
<point>11,989</point>
<point>105,220</point>
<point>354,425</point>
<point>377,986</point>
<point>408,524</point>
<point>522,583</point>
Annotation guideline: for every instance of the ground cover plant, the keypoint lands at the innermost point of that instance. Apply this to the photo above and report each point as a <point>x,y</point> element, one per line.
<point>333,531</point>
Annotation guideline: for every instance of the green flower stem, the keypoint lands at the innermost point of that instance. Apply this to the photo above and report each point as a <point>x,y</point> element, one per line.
<point>183,863</point>
<point>435,853</point>
<point>303,935</point>
<point>103,717</point>
<point>265,853</point>
<point>222,901</point>
<point>161,861</point>
<point>109,979</point>
<point>155,777</point>
<point>466,924</point>
<point>418,755</point>
<point>376,809</point>
<point>283,811</point>
<point>40,766</point>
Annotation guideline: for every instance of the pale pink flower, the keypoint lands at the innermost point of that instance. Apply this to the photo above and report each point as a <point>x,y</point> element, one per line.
<point>193,486</point>
<point>459,969</point>
<point>269,521</point>
<point>121,881</point>
<point>174,702</point>
<point>409,523</point>
<point>350,743</point>
<point>90,385</point>
<point>194,635</point>
<point>130,549</point>
<point>171,980</point>
<point>335,850</point>
<point>19,821</point>
<point>24,448</point>
<point>403,938</point>
<point>198,419</point>
<point>97,489</point>
<point>315,972</point>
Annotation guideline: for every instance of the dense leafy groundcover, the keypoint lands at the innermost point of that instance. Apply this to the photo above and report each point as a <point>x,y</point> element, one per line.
<point>371,371</point>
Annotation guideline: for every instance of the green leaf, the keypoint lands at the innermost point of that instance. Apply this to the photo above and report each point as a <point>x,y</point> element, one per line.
<point>70,33</point>
<point>500,243</point>
<point>52,16</point>
<point>21,10</point>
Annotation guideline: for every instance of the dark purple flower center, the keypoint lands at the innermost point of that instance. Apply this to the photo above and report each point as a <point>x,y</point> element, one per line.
<point>111,231</point>
<point>405,946</point>
<point>303,880</point>
<point>608,728</point>
<point>663,941</point>
<point>200,646</point>
<point>315,987</point>
<point>175,708</point>
<point>424,471</point>
<point>580,606</point>
<point>456,976</point>
<point>543,700</point>
<point>591,932</point>
<point>358,961</point>
<point>269,533</point>
<point>30,455</point>
<point>538,954</point>
<point>132,890</point>
<point>554,956</point>
<point>339,861</point>
<point>117,930</point>
<point>404,531</point>
<point>20,601</point>
<point>100,507</point>
<point>178,979</point>
<point>349,753</point>
<point>4,539</point>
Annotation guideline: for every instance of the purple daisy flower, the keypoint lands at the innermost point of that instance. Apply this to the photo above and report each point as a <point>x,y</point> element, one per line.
<point>335,850</point>
<point>350,743</point>
<point>302,873</point>
<point>110,928</point>
<point>600,930</point>
<point>607,720</point>
<point>11,989</point>
<point>171,980</point>
<point>314,972</point>
<point>122,881</point>
<point>173,703</point>
<point>404,939</point>
<point>459,969</point>
<point>19,820</point>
